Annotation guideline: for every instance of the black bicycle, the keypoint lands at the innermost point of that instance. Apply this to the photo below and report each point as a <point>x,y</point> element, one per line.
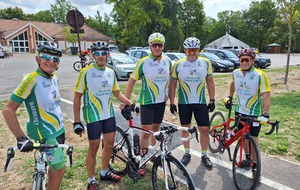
<point>78,65</point>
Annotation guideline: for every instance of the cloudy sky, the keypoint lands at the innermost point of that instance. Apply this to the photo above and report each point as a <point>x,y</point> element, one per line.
<point>90,7</point>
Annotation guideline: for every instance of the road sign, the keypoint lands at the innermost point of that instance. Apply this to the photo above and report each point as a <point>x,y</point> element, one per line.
<point>75,17</point>
<point>74,31</point>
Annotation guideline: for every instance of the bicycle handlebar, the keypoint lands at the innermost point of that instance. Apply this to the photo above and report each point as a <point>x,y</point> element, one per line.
<point>38,146</point>
<point>171,129</point>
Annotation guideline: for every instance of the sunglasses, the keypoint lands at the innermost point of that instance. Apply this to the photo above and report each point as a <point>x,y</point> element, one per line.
<point>194,50</point>
<point>97,53</point>
<point>156,45</point>
<point>242,60</point>
<point>48,57</point>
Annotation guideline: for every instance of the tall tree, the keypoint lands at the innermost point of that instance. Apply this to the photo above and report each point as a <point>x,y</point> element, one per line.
<point>10,13</point>
<point>60,9</point>
<point>289,13</point>
<point>44,16</point>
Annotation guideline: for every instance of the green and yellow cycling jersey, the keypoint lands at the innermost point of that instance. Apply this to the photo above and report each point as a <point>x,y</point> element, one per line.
<point>41,97</point>
<point>192,79</point>
<point>248,88</point>
<point>96,84</point>
<point>155,76</point>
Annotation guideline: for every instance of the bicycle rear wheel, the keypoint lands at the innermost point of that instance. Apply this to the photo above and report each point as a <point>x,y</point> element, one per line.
<point>178,177</point>
<point>216,119</point>
<point>118,163</point>
<point>244,178</point>
<point>77,66</point>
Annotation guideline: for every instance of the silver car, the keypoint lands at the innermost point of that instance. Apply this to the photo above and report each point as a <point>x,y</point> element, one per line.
<point>122,64</point>
<point>1,51</point>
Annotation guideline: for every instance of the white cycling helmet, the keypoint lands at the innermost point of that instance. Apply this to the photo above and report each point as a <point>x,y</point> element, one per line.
<point>191,42</point>
<point>156,38</point>
<point>49,47</point>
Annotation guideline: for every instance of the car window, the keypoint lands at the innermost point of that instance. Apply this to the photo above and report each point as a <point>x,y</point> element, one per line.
<point>122,59</point>
<point>132,53</point>
<point>144,54</point>
<point>171,56</point>
<point>211,56</point>
<point>230,54</point>
<point>138,54</point>
<point>221,55</point>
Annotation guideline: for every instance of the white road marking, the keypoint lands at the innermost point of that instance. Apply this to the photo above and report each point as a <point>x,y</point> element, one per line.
<point>2,65</point>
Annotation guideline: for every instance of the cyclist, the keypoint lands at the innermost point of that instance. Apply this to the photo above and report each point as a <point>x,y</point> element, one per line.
<point>85,53</point>
<point>253,93</point>
<point>39,91</point>
<point>154,70</point>
<point>96,83</point>
<point>193,73</point>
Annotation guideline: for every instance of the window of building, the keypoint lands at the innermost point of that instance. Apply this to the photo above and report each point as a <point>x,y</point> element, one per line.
<point>20,43</point>
<point>39,38</point>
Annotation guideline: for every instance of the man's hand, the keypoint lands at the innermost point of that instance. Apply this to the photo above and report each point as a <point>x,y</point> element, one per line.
<point>173,109</point>
<point>228,102</point>
<point>263,119</point>
<point>126,111</point>
<point>78,128</point>
<point>211,106</point>
<point>24,144</point>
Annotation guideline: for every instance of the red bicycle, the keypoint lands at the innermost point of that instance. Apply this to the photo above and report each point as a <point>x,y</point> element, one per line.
<point>223,134</point>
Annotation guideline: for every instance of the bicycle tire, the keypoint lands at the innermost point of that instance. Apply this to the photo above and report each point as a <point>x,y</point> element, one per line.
<point>178,177</point>
<point>216,119</point>
<point>39,182</point>
<point>118,163</point>
<point>243,177</point>
<point>77,66</point>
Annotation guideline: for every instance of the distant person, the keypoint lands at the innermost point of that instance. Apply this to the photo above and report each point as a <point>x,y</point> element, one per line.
<point>40,94</point>
<point>193,74</point>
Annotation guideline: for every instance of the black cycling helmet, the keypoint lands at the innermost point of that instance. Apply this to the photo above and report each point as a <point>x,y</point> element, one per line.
<point>247,52</point>
<point>49,47</point>
<point>96,46</point>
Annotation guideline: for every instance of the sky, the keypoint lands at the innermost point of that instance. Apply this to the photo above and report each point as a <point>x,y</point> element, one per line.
<point>90,7</point>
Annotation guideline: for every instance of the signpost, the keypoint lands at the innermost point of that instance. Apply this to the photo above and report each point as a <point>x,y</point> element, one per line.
<point>76,20</point>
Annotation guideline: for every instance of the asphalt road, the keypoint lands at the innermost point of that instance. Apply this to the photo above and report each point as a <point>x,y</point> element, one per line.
<point>276,173</point>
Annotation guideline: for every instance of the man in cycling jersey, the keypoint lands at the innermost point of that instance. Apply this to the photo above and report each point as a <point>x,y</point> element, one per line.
<point>154,70</point>
<point>193,73</point>
<point>96,83</point>
<point>253,94</point>
<point>40,94</point>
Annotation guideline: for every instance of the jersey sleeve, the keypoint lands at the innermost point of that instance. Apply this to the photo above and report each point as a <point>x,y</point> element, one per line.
<point>174,73</point>
<point>138,70</point>
<point>81,84</point>
<point>115,86</point>
<point>209,66</point>
<point>25,88</point>
<point>264,85</point>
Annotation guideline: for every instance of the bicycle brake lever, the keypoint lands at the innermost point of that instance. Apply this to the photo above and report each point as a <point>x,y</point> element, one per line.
<point>10,154</point>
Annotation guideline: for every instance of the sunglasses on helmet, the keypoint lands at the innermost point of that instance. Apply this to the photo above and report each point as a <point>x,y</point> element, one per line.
<point>97,53</point>
<point>47,57</point>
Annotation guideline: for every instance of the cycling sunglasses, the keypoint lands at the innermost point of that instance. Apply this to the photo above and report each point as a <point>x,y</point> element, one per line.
<point>48,57</point>
<point>97,53</point>
<point>156,45</point>
<point>242,60</point>
<point>194,50</point>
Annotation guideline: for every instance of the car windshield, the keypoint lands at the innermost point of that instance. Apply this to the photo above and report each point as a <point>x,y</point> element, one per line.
<point>122,59</point>
<point>211,56</point>
<point>180,56</point>
<point>230,54</point>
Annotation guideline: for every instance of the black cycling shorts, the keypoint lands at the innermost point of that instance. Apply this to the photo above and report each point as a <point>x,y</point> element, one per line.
<point>200,113</point>
<point>254,130</point>
<point>152,113</point>
<point>95,129</point>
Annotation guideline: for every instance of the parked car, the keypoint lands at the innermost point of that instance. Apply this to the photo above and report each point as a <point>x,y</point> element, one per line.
<point>260,61</point>
<point>139,54</point>
<point>121,63</point>
<point>175,56</point>
<point>112,47</point>
<point>225,55</point>
<point>218,64</point>
<point>133,48</point>
<point>1,51</point>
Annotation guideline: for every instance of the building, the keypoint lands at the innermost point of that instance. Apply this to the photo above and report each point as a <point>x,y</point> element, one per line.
<point>227,42</point>
<point>274,48</point>
<point>23,36</point>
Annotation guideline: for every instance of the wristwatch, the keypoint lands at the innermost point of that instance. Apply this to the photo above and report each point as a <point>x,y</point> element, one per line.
<point>265,114</point>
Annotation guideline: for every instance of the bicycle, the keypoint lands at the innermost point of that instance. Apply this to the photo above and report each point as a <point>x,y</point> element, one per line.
<point>78,65</point>
<point>223,135</point>
<point>40,166</point>
<point>126,158</point>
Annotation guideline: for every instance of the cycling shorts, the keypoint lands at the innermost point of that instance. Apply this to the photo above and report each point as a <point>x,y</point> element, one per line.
<point>95,129</point>
<point>254,126</point>
<point>55,156</point>
<point>152,113</point>
<point>200,113</point>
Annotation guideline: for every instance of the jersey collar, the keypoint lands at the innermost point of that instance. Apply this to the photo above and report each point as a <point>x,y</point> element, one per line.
<point>153,57</point>
<point>98,67</point>
<point>43,74</point>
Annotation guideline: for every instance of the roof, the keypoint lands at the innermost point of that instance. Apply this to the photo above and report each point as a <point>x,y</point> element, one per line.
<point>273,44</point>
<point>227,41</point>
<point>11,27</point>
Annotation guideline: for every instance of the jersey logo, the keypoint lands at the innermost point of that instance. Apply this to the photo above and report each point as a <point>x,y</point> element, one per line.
<point>104,84</point>
<point>46,85</point>
<point>192,72</point>
<point>162,71</point>
<point>94,75</point>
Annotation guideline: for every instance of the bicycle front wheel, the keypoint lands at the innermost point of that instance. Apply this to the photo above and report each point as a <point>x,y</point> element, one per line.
<point>38,184</point>
<point>244,177</point>
<point>118,163</point>
<point>177,175</point>
<point>214,136</point>
<point>77,66</point>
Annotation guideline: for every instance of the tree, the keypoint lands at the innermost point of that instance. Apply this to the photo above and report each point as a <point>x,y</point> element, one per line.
<point>69,37</point>
<point>44,16</point>
<point>60,9</point>
<point>10,13</point>
<point>289,13</point>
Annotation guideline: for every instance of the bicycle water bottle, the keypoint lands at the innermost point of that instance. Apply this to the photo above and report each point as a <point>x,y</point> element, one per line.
<point>229,134</point>
<point>136,144</point>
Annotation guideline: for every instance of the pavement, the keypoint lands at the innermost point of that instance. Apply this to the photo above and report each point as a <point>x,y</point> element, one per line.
<point>276,173</point>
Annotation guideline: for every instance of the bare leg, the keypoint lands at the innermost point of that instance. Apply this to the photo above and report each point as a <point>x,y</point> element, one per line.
<point>90,159</point>
<point>54,178</point>
<point>204,137</point>
<point>108,140</point>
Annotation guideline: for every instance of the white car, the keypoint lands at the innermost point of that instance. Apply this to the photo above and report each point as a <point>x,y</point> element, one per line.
<point>174,56</point>
<point>133,48</point>
<point>139,54</point>
<point>1,51</point>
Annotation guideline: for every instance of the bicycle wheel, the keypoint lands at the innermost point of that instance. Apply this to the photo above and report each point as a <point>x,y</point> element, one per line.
<point>118,163</point>
<point>216,119</point>
<point>77,66</point>
<point>178,177</point>
<point>38,182</point>
<point>243,177</point>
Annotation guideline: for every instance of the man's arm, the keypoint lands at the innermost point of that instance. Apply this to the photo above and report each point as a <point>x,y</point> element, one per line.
<point>210,87</point>
<point>121,97</point>
<point>10,116</point>
<point>266,101</point>
<point>172,89</point>
<point>231,89</point>
<point>129,87</point>
<point>77,106</point>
